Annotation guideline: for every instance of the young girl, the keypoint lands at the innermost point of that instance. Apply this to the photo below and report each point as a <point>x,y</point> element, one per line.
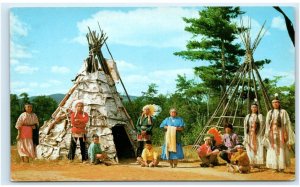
<point>25,123</point>
<point>253,135</point>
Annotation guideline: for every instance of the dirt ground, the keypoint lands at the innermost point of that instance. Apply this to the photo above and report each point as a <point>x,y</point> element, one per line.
<point>128,170</point>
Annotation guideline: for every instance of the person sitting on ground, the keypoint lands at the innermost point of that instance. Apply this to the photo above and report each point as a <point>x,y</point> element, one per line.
<point>149,156</point>
<point>95,152</point>
<point>230,140</point>
<point>207,153</point>
<point>240,161</point>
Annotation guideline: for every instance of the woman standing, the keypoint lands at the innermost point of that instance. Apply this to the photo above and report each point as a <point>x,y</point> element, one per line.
<point>280,137</point>
<point>79,118</point>
<point>172,148</point>
<point>25,123</point>
<point>253,135</point>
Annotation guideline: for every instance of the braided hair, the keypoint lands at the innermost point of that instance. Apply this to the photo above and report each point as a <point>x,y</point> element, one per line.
<point>278,120</point>
<point>257,122</point>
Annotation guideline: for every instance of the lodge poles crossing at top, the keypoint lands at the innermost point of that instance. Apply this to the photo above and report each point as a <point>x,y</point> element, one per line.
<point>246,86</point>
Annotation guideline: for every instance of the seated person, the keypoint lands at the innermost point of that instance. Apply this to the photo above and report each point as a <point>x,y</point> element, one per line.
<point>230,140</point>
<point>207,153</point>
<point>240,161</point>
<point>149,157</point>
<point>96,155</point>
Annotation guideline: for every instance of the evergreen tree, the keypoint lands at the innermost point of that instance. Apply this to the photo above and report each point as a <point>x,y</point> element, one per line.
<point>43,107</point>
<point>15,111</point>
<point>217,32</point>
<point>24,99</point>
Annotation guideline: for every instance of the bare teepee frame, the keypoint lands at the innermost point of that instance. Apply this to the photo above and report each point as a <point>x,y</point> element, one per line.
<point>246,85</point>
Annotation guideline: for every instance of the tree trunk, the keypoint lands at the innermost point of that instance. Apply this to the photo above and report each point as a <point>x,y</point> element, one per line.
<point>223,90</point>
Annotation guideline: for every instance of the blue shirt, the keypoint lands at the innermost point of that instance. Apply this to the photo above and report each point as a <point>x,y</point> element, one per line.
<point>176,122</point>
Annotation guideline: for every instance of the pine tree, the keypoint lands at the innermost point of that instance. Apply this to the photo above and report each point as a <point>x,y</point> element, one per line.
<point>217,32</point>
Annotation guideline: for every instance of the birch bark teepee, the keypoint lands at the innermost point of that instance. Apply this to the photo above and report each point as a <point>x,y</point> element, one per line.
<point>244,88</point>
<point>95,85</point>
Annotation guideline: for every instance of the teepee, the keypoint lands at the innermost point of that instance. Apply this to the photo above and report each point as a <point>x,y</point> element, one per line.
<point>245,87</point>
<point>95,85</point>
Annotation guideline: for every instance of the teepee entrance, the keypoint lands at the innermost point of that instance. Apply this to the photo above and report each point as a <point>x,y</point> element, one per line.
<point>246,86</point>
<point>108,118</point>
<point>122,142</point>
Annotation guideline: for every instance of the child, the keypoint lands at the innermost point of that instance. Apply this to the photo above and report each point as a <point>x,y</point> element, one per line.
<point>230,140</point>
<point>240,161</point>
<point>95,152</point>
<point>206,153</point>
<point>149,156</point>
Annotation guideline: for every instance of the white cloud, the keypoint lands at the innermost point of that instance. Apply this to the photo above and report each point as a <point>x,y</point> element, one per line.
<point>17,27</point>
<point>21,90</point>
<point>169,76</point>
<point>123,65</point>
<point>17,84</point>
<point>54,82</point>
<point>38,88</point>
<point>14,61</point>
<point>24,69</point>
<point>45,85</point>
<point>278,23</point>
<point>255,26</point>
<point>155,27</point>
<point>18,87</point>
<point>288,77</point>
<point>165,79</point>
<point>33,84</point>
<point>18,51</point>
<point>60,69</point>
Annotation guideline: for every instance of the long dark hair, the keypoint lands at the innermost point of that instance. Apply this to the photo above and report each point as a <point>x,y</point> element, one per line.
<point>257,121</point>
<point>279,117</point>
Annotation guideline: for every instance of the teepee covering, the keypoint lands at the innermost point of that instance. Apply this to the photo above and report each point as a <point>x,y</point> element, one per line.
<point>95,85</point>
<point>245,87</point>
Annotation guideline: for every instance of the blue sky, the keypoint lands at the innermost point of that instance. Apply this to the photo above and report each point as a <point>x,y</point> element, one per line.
<point>48,45</point>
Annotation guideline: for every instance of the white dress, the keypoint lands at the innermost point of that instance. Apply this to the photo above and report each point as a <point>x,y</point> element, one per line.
<point>253,138</point>
<point>278,134</point>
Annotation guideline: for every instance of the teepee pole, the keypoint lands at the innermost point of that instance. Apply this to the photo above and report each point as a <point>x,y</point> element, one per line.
<point>118,75</point>
<point>266,97</point>
<point>205,128</point>
<point>117,72</point>
<point>237,104</point>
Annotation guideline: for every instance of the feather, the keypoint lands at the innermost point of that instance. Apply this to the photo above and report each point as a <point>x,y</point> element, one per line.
<point>217,135</point>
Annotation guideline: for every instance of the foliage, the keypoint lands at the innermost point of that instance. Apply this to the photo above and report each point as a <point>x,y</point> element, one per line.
<point>15,111</point>
<point>43,107</point>
<point>286,95</point>
<point>213,41</point>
